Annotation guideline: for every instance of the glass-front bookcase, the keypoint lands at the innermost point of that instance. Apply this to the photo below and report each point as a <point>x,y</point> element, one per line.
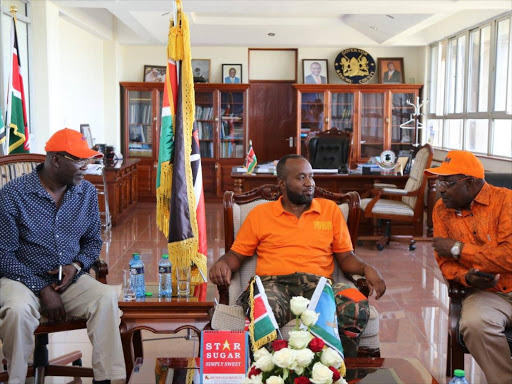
<point>377,115</point>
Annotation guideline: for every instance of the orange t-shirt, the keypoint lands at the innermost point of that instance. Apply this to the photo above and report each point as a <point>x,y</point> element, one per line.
<point>287,244</point>
<point>485,230</point>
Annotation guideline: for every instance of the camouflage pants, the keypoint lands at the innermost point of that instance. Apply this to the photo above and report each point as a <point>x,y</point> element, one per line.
<point>352,307</point>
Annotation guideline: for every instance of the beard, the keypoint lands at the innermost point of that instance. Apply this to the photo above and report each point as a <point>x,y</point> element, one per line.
<point>297,198</point>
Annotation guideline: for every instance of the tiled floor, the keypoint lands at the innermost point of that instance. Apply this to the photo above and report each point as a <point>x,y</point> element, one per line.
<point>413,312</point>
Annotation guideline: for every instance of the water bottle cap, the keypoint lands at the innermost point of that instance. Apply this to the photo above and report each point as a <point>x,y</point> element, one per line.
<point>459,373</point>
<point>165,256</point>
<point>149,293</point>
<point>135,256</point>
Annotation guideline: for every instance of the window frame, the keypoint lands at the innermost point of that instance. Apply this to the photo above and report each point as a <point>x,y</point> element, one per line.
<point>490,115</point>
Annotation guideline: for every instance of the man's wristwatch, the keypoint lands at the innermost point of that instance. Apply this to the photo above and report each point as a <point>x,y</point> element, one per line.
<point>455,251</point>
<point>78,267</point>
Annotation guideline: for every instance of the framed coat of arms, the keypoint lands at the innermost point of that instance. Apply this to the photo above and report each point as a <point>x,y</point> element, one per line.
<point>355,66</point>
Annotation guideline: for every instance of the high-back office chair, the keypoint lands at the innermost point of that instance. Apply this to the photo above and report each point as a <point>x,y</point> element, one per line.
<point>11,167</point>
<point>229,316</point>
<point>410,206</point>
<point>329,149</point>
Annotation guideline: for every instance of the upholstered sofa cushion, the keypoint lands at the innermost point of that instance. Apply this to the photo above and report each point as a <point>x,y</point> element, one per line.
<point>388,207</point>
<point>11,171</point>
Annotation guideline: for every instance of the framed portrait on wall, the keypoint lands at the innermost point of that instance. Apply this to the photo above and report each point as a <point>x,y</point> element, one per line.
<point>314,71</point>
<point>231,73</point>
<point>391,70</point>
<point>201,70</point>
<point>85,130</point>
<point>154,73</point>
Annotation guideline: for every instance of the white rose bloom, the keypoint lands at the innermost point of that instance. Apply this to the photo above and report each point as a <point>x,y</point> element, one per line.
<point>299,339</point>
<point>257,379</point>
<point>321,374</point>
<point>265,363</point>
<point>275,380</point>
<point>283,358</point>
<point>303,357</point>
<point>299,370</point>
<point>341,381</point>
<point>330,357</point>
<point>309,318</point>
<point>298,304</point>
<point>260,353</point>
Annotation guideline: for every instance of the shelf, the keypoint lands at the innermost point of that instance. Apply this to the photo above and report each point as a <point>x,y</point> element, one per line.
<point>205,120</point>
<point>137,101</point>
<point>144,125</point>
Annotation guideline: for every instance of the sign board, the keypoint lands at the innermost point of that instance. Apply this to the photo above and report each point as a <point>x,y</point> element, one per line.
<point>224,357</point>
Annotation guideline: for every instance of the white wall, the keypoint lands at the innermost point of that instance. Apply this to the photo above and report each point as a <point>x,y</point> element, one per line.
<point>81,81</point>
<point>134,57</point>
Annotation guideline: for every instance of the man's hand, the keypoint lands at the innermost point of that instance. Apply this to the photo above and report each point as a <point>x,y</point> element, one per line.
<point>51,304</point>
<point>375,281</point>
<point>481,282</point>
<point>68,273</point>
<point>220,273</point>
<point>443,246</point>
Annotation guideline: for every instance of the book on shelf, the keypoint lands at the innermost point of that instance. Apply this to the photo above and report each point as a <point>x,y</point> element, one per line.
<point>140,114</point>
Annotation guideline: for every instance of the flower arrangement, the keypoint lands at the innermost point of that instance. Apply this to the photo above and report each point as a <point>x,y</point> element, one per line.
<point>302,359</point>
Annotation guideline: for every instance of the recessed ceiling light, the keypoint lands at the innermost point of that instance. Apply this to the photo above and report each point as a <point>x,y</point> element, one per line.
<point>374,28</point>
<point>271,34</point>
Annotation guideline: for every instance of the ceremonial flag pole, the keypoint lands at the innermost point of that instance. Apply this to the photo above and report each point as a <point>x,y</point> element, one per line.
<point>180,199</point>
<point>16,122</point>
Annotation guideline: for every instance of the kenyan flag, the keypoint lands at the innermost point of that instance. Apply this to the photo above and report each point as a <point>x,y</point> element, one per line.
<point>16,122</point>
<point>263,323</point>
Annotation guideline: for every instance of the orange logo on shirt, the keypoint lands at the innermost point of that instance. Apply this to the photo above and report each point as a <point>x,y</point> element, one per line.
<point>322,225</point>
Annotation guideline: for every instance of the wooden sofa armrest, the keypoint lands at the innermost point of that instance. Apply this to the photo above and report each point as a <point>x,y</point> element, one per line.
<point>223,294</point>
<point>360,283</point>
<point>456,291</point>
<point>100,267</point>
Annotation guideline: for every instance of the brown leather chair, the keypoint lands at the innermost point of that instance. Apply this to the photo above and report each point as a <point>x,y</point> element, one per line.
<point>410,206</point>
<point>11,167</point>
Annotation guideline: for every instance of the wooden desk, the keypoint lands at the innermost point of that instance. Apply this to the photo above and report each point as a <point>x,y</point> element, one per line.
<point>121,178</point>
<point>343,183</point>
<point>374,370</point>
<point>159,316</point>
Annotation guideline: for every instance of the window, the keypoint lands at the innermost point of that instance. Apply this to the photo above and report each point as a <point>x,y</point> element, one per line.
<point>485,56</point>
<point>453,134</point>
<point>474,61</point>
<point>477,135</point>
<point>502,138</point>
<point>502,43</point>
<point>471,90</point>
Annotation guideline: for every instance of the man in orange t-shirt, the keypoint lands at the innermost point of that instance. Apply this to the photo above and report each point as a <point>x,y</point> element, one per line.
<point>297,239</point>
<point>473,246</point>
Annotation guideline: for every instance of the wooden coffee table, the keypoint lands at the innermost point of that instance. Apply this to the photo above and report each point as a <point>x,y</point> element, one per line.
<point>371,370</point>
<point>159,316</point>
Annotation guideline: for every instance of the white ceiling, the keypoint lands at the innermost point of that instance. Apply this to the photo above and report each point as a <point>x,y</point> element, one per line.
<point>295,23</point>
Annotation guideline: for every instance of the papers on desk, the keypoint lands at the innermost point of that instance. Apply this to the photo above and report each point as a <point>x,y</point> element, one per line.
<point>94,169</point>
<point>319,171</point>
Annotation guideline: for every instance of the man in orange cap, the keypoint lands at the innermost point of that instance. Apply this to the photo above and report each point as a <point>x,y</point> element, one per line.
<point>49,222</point>
<point>473,246</point>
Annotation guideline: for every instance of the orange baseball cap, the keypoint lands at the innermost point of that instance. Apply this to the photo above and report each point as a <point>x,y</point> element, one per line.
<point>459,163</point>
<point>72,142</point>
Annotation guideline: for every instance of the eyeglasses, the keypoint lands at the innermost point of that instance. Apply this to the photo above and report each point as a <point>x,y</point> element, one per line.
<point>448,184</point>
<point>79,163</point>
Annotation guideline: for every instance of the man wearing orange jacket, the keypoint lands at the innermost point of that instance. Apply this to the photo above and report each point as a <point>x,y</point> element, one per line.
<point>473,246</point>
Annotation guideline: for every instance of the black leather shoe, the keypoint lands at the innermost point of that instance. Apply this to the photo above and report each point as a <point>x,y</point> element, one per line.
<point>100,382</point>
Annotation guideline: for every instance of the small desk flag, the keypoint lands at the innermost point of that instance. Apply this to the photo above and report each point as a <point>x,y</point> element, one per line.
<point>250,160</point>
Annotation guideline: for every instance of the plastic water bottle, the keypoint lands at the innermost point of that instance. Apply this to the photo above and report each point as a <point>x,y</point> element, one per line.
<point>165,277</point>
<point>137,271</point>
<point>458,377</point>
